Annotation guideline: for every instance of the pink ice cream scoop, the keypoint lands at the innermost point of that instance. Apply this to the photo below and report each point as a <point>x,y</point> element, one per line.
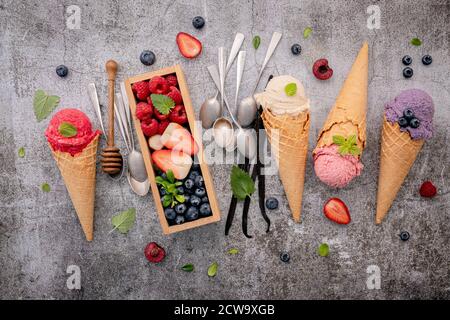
<point>334,169</point>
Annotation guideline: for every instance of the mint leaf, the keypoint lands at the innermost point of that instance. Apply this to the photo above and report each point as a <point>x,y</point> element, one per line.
<point>212,270</point>
<point>233,251</point>
<point>170,176</point>
<point>188,267</point>
<point>67,130</point>
<point>242,184</point>
<point>338,140</point>
<point>21,152</point>
<point>416,42</point>
<point>354,150</point>
<point>347,146</point>
<point>351,140</point>
<point>45,187</point>
<point>180,198</point>
<point>167,200</point>
<point>43,104</point>
<point>162,103</point>
<point>323,250</point>
<point>124,221</point>
<point>290,89</point>
<point>307,32</point>
<point>256,42</point>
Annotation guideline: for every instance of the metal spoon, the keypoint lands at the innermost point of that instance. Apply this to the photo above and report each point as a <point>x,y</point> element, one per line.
<point>210,109</point>
<point>247,109</point>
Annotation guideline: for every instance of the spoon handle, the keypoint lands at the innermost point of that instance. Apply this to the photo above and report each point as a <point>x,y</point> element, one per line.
<point>237,43</point>
<point>222,67</point>
<point>239,72</point>
<point>126,106</point>
<point>92,91</point>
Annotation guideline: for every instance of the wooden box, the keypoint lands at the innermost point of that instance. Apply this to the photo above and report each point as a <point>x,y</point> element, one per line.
<point>209,186</point>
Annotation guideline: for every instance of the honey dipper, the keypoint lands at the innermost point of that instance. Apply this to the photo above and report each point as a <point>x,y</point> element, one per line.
<point>111,157</point>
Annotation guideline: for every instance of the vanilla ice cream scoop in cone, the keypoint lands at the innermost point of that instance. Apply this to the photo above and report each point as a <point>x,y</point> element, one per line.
<point>408,122</point>
<point>74,148</point>
<point>286,120</point>
<point>337,156</point>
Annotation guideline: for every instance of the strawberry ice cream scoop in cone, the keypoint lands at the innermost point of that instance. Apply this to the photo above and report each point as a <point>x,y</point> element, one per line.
<point>74,148</point>
<point>408,122</point>
<point>286,120</point>
<point>343,136</point>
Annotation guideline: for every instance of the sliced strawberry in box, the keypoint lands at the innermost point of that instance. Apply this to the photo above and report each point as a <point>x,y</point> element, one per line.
<point>336,210</point>
<point>179,162</point>
<point>176,137</point>
<point>189,46</point>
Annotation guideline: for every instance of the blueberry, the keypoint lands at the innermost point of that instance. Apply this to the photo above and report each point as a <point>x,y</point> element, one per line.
<point>427,60</point>
<point>414,123</point>
<point>194,174</point>
<point>147,57</point>
<point>200,192</point>
<point>170,213</point>
<point>271,203</point>
<point>407,60</point>
<point>162,192</point>
<point>180,190</point>
<point>296,49</point>
<point>198,22</point>
<point>186,198</point>
<point>402,122</point>
<point>404,235</point>
<point>179,220</point>
<point>205,210</point>
<point>180,208</point>
<point>62,71</point>
<point>196,167</point>
<point>195,201</point>
<point>191,214</point>
<point>163,175</point>
<point>205,199</point>
<point>189,184</point>
<point>408,114</point>
<point>199,181</point>
<point>285,257</point>
<point>408,72</point>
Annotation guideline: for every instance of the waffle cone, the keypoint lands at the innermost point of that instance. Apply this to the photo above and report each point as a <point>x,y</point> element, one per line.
<point>398,153</point>
<point>348,115</point>
<point>288,137</point>
<point>78,173</point>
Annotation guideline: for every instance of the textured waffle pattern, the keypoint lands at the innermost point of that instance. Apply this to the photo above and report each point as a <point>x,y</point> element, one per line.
<point>78,173</point>
<point>288,137</point>
<point>348,115</point>
<point>398,153</point>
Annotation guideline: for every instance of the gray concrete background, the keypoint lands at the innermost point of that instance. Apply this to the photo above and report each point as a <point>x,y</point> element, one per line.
<point>39,232</point>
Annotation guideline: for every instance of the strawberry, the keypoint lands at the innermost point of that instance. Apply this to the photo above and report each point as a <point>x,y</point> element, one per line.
<point>158,85</point>
<point>189,46</point>
<point>178,115</point>
<point>172,80</point>
<point>162,126</point>
<point>154,253</point>
<point>141,90</point>
<point>160,116</point>
<point>176,137</point>
<point>150,127</point>
<point>428,190</point>
<point>336,210</point>
<point>175,95</point>
<point>179,162</point>
<point>144,111</point>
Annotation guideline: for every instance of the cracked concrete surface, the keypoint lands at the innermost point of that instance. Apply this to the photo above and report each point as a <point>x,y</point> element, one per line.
<point>39,232</point>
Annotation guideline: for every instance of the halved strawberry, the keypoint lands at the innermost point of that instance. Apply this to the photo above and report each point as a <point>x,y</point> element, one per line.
<point>189,46</point>
<point>176,137</point>
<point>336,210</point>
<point>179,162</point>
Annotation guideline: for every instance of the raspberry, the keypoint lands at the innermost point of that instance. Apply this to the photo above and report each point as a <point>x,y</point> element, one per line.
<point>161,116</point>
<point>428,190</point>
<point>150,127</point>
<point>172,80</point>
<point>144,111</point>
<point>178,115</point>
<point>141,90</point>
<point>158,85</point>
<point>175,95</point>
<point>162,126</point>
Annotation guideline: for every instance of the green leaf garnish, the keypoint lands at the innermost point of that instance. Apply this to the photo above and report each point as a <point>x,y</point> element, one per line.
<point>347,146</point>
<point>188,267</point>
<point>233,251</point>
<point>67,130</point>
<point>212,270</point>
<point>323,250</point>
<point>167,200</point>
<point>162,103</point>
<point>180,198</point>
<point>256,42</point>
<point>242,184</point>
<point>416,42</point>
<point>170,176</point>
<point>21,152</point>
<point>290,89</point>
<point>307,32</point>
<point>43,104</point>
<point>45,187</point>
<point>124,221</point>
<point>170,184</point>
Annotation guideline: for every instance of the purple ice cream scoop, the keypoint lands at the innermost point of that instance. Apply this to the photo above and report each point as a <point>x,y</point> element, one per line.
<point>422,106</point>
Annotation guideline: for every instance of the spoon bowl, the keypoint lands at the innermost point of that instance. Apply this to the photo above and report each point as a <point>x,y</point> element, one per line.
<point>138,187</point>
<point>246,111</point>
<point>223,132</point>
<point>209,112</point>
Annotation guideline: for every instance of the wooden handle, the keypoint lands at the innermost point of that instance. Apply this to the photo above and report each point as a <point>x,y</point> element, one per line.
<point>111,70</point>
